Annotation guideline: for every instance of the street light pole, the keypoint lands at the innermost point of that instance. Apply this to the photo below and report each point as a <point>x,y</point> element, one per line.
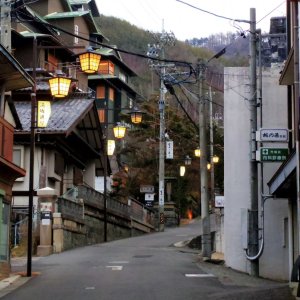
<point>105,170</point>
<point>31,163</point>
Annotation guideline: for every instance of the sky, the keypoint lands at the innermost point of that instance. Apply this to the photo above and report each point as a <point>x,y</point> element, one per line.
<point>187,22</point>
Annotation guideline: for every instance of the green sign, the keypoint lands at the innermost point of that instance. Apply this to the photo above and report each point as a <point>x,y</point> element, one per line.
<point>273,154</point>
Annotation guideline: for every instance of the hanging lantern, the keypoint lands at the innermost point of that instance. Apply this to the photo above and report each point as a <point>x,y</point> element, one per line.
<point>182,170</point>
<point>119,131</point>
<point>187,160</point>
<point>136,116</point>
<point>197,152</point>
<point>111,144</point>
<point>59,85</point>
<point>215,159</point>
<point>89,61</point>
<point>208,166</point>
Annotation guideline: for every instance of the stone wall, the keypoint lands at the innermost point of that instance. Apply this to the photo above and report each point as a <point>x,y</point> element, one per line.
<point>80,221</point>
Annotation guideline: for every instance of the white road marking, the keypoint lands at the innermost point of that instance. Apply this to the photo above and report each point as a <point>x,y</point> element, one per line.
<point>115,268</point>
<point>90,288</point>
<point>119,262</point>
<point>199,275</point>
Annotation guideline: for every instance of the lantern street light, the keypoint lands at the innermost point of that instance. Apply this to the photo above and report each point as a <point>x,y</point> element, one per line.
<point>89,61</point>
<point>215,159</point>
<point>119,131</point>
<point>136,115</point>
<point>187,160</point>
<point>59,87</point>
<point>197,152</point>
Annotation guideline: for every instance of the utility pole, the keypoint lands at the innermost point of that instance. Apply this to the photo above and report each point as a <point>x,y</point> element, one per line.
<point>211,142</point>
<point>206,235</point>
<point>158,50</point>
<point>161,172</point>
<point>5,23</point>
<point>253,216</point>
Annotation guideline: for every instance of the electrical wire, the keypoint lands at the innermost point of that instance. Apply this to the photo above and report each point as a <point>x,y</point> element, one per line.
<point>51,26</point>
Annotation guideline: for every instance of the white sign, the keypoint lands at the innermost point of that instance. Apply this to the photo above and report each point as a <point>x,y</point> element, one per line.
<point>169,150</point>
<point>219,201</point>
<point>149,197</point>
<point>272,135</point>
<point>43,113</point>
<point>146,189</point>
<point>161,199</point>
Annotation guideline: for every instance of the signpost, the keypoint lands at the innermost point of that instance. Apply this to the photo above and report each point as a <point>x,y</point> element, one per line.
<point>272,135</point>
<point>265,154</point>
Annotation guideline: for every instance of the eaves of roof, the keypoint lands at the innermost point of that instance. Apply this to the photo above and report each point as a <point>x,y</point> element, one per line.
<point>12,74</point>
<point>112,55</point>
<point>40,18</point>
<point>115,80</point>
<point>65,115</point>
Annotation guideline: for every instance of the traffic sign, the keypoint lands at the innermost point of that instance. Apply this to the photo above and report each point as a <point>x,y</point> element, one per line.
<point>273,154</point>
<point>272,135</point>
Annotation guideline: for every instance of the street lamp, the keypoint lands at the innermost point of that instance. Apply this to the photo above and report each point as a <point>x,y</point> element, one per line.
<point>89,61</point>
<point>119,131</point>
<point>197,152</point>
<point>136,115</point>
<point>187,160</point>
<point>60,86</point>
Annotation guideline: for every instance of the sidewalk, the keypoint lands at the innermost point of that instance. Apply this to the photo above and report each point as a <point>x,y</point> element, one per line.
<point>17,277</point>
<point>246,286</point>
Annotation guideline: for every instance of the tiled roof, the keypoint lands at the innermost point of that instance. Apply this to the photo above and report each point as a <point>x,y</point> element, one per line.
<point>65,114</point>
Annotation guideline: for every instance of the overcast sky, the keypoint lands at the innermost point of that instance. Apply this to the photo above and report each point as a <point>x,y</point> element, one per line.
<point>187,22</point>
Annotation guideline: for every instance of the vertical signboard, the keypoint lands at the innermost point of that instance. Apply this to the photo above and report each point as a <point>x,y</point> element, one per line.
<point>169,150</point>
<point>161,198</point>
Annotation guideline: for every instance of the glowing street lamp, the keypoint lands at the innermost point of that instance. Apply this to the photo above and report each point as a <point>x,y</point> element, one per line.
<point>89,61</point>
<point>119,131</point>
<point>215,159</point>
<point>59,85</point>
<point>136,115</point>
<point>197,152</point>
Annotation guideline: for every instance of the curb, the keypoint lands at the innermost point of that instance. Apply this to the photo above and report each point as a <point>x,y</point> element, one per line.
<point>8,281</point>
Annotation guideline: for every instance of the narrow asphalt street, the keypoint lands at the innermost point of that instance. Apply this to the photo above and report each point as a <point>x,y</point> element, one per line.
<point>146,267</point>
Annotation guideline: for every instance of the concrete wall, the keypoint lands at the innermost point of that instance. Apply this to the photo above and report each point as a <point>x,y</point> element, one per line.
<point>274,261</point>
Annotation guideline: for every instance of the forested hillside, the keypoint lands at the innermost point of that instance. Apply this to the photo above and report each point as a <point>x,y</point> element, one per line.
<point>141,148</point>
<point>133,39</point>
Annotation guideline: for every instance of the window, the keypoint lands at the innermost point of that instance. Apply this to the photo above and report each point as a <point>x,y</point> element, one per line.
<point>52,63</point>
<point>59,164</point>
<point>101,115</point>
<point>76,32</point>
<point>111,94</point>
<point>106,67</point>
<point>122,76</point>
<point>101,92</point>
<point>18,156</point>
